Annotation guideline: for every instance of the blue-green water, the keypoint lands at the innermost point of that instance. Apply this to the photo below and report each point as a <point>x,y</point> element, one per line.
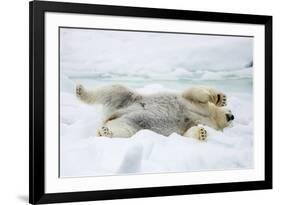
<point>229,85</point>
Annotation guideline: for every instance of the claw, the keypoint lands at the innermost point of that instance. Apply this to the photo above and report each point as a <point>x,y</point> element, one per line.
<point>202,134</point>
<point>104,131</point>
<point>222,100</point>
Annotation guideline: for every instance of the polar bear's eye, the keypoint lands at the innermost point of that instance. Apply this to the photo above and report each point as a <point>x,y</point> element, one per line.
<point>186,119</point>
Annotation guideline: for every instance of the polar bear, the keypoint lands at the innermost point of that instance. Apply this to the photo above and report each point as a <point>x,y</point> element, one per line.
<point>127,112</point>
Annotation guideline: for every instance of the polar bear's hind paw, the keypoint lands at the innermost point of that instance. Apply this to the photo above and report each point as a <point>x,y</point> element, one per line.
<point>104,131</point>
<point>79,90</point>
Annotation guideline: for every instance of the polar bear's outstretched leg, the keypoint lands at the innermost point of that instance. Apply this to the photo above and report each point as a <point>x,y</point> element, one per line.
<point>83,94</point>
<point>196,132</point>
<point>204,95</point>
<point>116,128</point>
<point>113,96</point>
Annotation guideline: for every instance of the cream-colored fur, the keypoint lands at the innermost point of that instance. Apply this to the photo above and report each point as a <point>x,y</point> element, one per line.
<point>127,111</point>
<point>196,132</point>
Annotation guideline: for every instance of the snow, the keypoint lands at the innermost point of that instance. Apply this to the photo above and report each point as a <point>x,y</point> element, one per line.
<point>85,154</point>
<point>150,63</point>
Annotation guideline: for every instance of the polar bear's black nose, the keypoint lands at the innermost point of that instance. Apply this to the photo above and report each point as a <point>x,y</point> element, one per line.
<point>229,117</point>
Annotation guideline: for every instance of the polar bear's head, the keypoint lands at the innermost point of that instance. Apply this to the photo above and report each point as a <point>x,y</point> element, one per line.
<point>215,117</point>
<point>222,117</point>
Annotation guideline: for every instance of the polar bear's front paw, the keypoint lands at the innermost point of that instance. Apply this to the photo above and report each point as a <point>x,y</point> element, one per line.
<point>104,131</point>
<point>202,135</point>
<point>196,132</point>
<point>221,100</point>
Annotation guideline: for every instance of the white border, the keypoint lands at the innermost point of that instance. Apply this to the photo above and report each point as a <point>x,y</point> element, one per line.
<point>53,184</point>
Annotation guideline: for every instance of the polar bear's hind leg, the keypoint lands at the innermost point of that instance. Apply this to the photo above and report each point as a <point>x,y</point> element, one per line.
<point>111,96</point>
<point>117,128</point>
<point>84,95</point>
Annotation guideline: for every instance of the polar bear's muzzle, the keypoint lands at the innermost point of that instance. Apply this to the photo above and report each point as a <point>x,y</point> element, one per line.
<point>229,117</point>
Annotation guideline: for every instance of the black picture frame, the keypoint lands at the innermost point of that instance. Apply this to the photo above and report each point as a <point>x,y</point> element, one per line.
<point>37,9</point>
